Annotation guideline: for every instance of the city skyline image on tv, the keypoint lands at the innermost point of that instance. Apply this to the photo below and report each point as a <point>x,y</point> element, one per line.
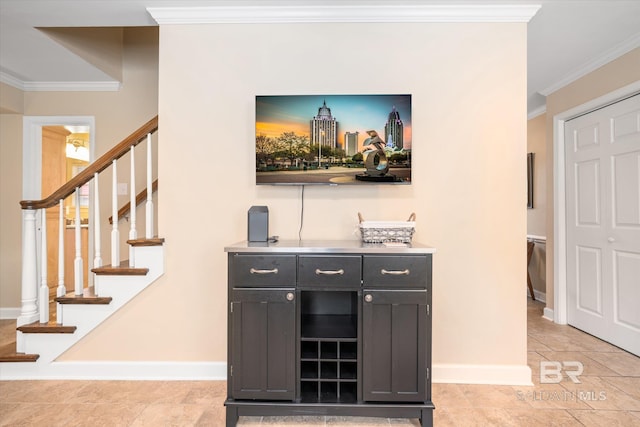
<point>333,139</point>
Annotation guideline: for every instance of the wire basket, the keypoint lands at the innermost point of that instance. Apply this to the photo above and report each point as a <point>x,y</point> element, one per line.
<point>387,231</point>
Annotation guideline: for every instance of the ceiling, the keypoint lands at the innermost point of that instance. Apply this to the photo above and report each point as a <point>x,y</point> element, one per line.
<point>566,38</point>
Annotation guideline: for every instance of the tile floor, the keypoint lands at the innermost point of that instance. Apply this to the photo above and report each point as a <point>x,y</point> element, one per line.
<point>608,395</point>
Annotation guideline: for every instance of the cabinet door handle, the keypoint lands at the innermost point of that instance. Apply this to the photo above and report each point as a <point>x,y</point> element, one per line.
<point>368,298</point>
<point>329,272</point>
<point>396,272</point>
<point>290,296</point>
<point>254,271</point>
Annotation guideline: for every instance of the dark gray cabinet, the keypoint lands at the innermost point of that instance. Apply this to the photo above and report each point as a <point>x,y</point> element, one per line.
<point>339,330</point>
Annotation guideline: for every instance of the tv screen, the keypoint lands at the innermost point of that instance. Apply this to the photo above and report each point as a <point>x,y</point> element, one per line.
<point>333,139</point>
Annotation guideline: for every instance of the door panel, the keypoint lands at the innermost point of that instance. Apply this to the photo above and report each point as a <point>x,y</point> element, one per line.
<point>394,328</point>
<point>587,193</point>
<point>626,190</point>
<point>626,273</point>
<point>589,289</point>
<point>603,223</point>
<point>263,344</point>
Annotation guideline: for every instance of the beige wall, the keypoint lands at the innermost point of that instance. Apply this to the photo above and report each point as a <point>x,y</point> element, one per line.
<point>117,114</point>
<point>614,75</point>
<point>468,83</point>
<point>11,100</point>
<point>10,214</point>
<point>536,217</point>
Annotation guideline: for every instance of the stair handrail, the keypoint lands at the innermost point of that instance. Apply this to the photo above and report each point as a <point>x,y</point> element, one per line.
<point>34,297</point>
<point>97,166</point>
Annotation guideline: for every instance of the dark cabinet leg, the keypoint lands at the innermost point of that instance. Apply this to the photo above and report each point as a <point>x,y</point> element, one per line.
<point>232,416</point>
<point>426,418</point>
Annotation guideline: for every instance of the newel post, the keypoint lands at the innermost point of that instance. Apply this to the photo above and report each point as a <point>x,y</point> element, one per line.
<point>29,310</point>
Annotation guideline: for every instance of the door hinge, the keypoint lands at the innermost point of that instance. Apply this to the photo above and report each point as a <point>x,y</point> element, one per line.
<point>231,309</point>
<point>231,373</point>
<point>427,372</point>
<point>428,310</point>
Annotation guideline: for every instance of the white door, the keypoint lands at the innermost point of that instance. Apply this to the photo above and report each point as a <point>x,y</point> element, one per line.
<point>603,223</point>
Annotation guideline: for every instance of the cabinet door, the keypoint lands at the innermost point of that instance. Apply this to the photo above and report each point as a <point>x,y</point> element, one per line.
<point>263,344</point>
<point>394,334</point>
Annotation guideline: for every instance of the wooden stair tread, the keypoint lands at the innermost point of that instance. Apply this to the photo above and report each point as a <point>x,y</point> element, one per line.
<point>8,354</point>
<point>154,241</point>
<point>122,270</point>
<point>46,328</point>
<point>88,297</point>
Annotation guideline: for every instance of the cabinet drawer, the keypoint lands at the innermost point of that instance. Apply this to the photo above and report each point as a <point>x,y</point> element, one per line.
<point>396,271</point>
<point>262,270</point>
<point>338,271</point>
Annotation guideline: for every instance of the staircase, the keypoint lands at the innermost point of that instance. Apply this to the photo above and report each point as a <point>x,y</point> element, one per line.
<point>39,340</point>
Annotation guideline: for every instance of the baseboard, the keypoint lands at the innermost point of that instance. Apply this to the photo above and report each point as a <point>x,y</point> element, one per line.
<point>482,374</point>
<point>137,371</point>
<point>7,313</point>
<point>540,296</point>
<point>211,371</point>
<point>547,313</point>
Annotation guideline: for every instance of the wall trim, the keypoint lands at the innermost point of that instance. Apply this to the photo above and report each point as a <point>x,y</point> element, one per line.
<point>547,313</point>
<point>329,13</point>
<point>72,86</point>
<point>537,112</point>
<point>482,374</point>
<point>106,86</point>
<point>540,296</point>
<point>212,371</point>
<point>615,52</point>
<point>559,196</point>
<point>7,313</point>
<point>134,371</point>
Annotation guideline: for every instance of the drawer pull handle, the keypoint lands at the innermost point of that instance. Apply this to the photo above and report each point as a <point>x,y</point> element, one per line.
<point>254,271</point>
<point>368,298</point>
<point>329,272</point>
<point>290,296</point>
<point>396,272</point>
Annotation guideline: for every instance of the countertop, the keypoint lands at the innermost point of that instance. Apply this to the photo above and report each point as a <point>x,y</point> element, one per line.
<point>329,247</point>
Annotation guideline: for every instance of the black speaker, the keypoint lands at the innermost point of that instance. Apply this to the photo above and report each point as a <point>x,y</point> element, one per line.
<point>258,224</point>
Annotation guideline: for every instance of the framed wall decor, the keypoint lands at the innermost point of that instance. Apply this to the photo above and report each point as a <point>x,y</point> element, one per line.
<point>530,157</point>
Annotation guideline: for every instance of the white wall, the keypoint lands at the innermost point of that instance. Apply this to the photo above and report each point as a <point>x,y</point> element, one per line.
<point>468,83</point>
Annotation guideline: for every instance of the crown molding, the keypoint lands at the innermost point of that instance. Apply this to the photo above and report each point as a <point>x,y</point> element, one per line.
<point>10,80</point>
<point>72,86</point>
<point>537,112</point>
<point>610,55</point>
<point>338,14</point>
<point>109,86</point>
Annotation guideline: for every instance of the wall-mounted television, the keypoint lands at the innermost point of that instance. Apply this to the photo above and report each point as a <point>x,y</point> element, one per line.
<point>333,139</point>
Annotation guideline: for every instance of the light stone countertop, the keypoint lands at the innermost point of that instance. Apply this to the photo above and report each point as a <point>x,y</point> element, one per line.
<point>329,247</point>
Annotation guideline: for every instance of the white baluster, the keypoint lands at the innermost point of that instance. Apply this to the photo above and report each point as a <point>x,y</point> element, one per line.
<point>149,205</point>
<point>29,309</point>
<point>97,259</point>
<point>115,235</point>
<point>133,234</point>
<point>61,290</point>
<point>43,297</point>
<point>78,271</point>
